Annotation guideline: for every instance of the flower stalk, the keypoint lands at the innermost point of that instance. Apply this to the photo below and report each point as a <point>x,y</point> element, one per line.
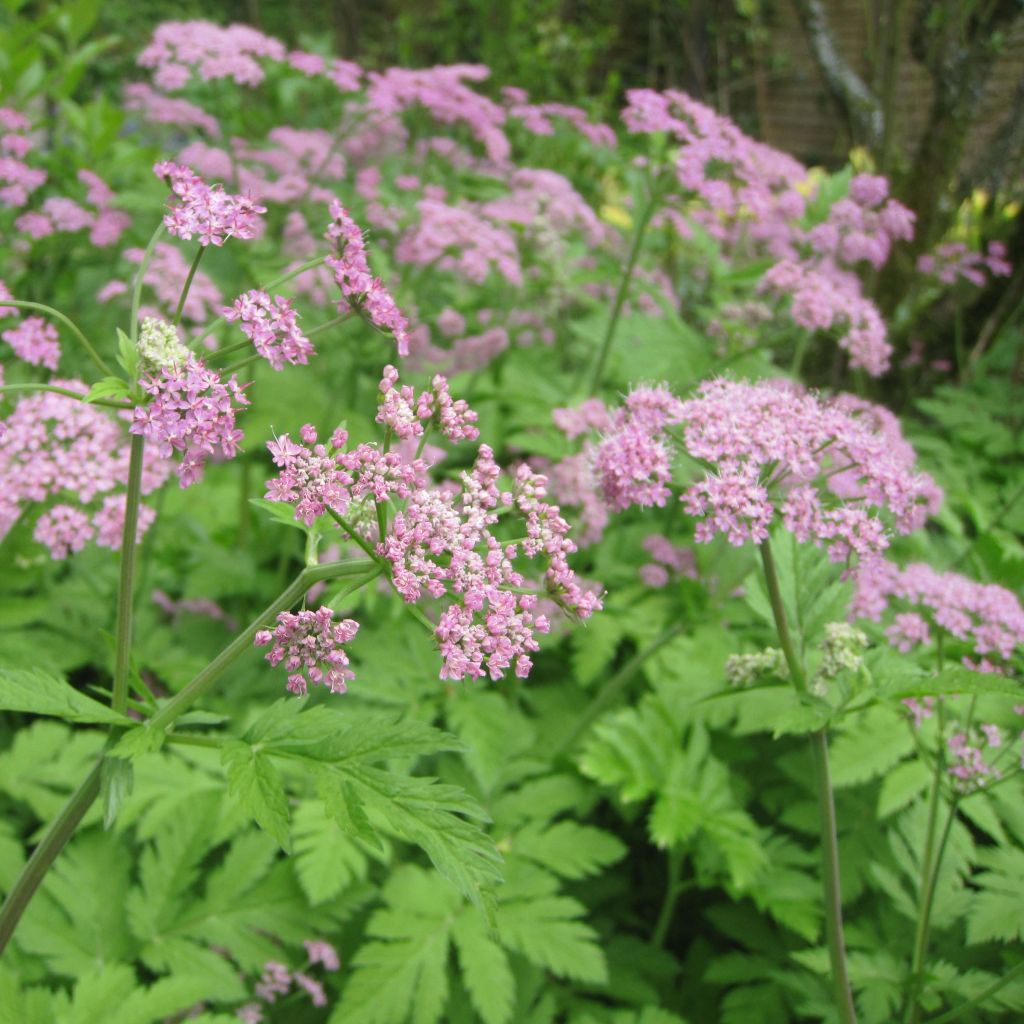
<point>826,803</point>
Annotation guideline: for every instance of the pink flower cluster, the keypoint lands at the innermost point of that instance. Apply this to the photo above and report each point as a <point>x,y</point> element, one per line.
<point>953,260</point>
<point>277,980</point>
<point>311,646</point>
<point>52,446</point>
<point>61,214</point>
<point>772,449</point>
<point>359,288</point>
<point>442,91</point>
<point>863,226</point>
<point>828,298</point>
<point>317,477</point>
<point>986,617</point>
<point>669,561</point>
<point>404,412</point>
<point>35,341</point>
<point>457,238</point>
<point>272,327</point>
<point>180,49</point>
<point>443,543</point>
<point>633,462</point>
<point>193,412</point>
<point>537,117</point>
<point>17,179</point>
<point>207,211</point>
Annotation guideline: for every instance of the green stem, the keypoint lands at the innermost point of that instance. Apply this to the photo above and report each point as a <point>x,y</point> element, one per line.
<point>247,361</point>
<point>183,700</point>
<point>668,904</point>
<point>59,832</point>
<point>188,284</point>
<point>110,404</point>
<point>620,296</point>
<point>328,324</point>
<point>351,531</point>
<point>137,284</point>
<point>957,1012</point>
<point>826,804</point>
<point>615,685</point>
<point>275,283</point>
<point>70,324</point>
<point>125,590</point>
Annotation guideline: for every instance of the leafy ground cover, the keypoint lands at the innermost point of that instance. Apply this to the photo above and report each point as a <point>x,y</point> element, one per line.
<point>462,560</point>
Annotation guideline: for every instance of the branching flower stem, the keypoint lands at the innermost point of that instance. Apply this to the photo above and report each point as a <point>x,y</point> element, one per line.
<point>64,825</point>
<point>826,803</point>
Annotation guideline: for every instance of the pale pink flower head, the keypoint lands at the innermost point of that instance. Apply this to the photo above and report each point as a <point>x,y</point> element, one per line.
<point>207,211</point>
<point>311,647</point>
<point>272,327</point>
<point>771,452</point>
<point>35,341</point>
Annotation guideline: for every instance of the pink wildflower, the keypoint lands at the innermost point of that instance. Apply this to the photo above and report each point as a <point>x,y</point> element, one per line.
<point>272,326</point>
<point>310,645</point>
<point>207,211</point>
<point>191,411</point>
<point>35,341</point>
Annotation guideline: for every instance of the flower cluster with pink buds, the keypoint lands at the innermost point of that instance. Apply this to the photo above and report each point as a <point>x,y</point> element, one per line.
<point>404,412</point>
<point>17,179</point>
<point>311,647</point>
<point>207,211</point>
<point>923,602</point>
<point>192,411</point>
<point>668,561</point>
<point>633,462</point>
<point>272,327</point>
<point>53,446</point>
<point>359,288</point>
<point>951,261</point>
<point>277,979</point>
<point>771,450</point>
<point>35,341</point>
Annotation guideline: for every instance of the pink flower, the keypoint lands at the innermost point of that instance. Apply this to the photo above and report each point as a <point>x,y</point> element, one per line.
<point>35,341</point>
<point>272,326</point>
<point>190,411</point>
<point>320,952</point>
<point>63,529</point>
<point>310,644</point>
<point>207,211</point>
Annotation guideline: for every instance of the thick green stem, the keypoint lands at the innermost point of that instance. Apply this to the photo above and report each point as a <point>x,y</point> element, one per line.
<point>70,324</point>
<point>614,686</point>
<point>110,404</point>
<point>188,285</point>
<point>826,804</point>
<point>620,296</point>
<point>126,589</point>
<point>59,832</point>
<point>81,800</point>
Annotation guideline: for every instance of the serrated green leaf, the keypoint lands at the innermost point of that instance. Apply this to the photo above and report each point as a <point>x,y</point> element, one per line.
<point>257,784</point>
<point>485,970</point>
<point>108,387</point>
<point>327,861</point>
<point>568,849</point>
<point>900,785</point>
<point>116,780</point>
<point>40,693</point>
<point>997,909</point>
<point>140,740</point>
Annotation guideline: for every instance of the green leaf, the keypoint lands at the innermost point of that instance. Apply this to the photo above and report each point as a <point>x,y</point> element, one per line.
<point>116,779</point>
<point>140,740</point>
<point>485,970</point>
<point>108,387</point>
<point>127,355</point>
<point>254,780</point>
<point>546,927</point>
<point>900,785</point>
<point>569,849</point>
<point>40,693</point>
<point>997,910</point>
<point>402,972</point>
<point>327,861</point>
<point>280,512</point>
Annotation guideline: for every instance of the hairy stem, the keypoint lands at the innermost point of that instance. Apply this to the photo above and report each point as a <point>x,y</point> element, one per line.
<point>71,326</point>
<point>826,804</point>
<point>126,589</point>
<point>620,296</point>
<point>57,835</point>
